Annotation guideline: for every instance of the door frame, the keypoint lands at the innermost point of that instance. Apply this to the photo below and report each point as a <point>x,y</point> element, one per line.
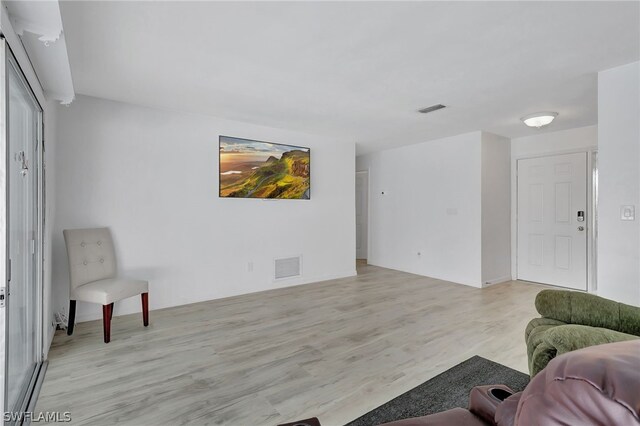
<point>368,189</point>
<point>8,59</point>
<point>592,210</point>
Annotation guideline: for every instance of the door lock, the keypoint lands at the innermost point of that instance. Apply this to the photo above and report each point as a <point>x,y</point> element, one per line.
<point>2,291</point>
<point>580,228</point>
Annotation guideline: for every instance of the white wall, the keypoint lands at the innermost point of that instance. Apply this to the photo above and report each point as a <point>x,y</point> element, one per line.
<point>496,208</point>
<point>431,205</point>
<point>152,177</point>
<point>580,138</point>
<point>572,140</point>
<point>619,183</point>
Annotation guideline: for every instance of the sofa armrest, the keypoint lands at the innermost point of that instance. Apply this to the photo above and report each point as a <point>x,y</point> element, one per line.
<point>574,307</point>
<point>483,403</point>
<point>506,412</point>
<point>545,342</point>
<point>540,322</point>
<point>571,337</point>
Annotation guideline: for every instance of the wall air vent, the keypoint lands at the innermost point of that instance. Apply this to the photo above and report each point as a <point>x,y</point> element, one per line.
<point>288,267</point>
<point>431,108</point>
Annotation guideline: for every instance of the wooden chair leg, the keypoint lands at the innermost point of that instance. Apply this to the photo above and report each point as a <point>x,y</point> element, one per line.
<point>71,321</point>
<point>106,322</point>
<point>111,311</point>
<point>145,308</point>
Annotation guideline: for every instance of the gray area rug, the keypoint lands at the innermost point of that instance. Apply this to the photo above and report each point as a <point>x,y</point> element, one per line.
<point>445,391</point>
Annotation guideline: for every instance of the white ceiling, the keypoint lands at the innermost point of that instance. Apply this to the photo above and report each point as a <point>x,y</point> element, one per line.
<point>355,70</point>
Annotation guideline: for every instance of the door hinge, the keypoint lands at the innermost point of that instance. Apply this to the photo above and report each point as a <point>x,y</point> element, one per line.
<point>2,297</point>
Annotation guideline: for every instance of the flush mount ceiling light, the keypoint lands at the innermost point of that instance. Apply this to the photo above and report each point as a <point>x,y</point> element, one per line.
<point>539,119</point>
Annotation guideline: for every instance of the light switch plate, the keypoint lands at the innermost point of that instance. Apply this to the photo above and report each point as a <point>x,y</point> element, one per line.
<point>628,213</point>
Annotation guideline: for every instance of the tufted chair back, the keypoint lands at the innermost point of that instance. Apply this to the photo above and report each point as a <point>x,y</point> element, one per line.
<point>91,255</point>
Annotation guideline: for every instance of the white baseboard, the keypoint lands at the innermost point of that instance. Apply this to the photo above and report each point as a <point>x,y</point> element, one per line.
<point>315,279</point>
<point>476,284</point>
<point>497,281</point>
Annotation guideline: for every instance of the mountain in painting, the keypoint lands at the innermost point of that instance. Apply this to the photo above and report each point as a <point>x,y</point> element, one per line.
<point>286,177</point>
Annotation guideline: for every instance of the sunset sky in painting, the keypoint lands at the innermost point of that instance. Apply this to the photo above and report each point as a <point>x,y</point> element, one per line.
<point>236,150</point>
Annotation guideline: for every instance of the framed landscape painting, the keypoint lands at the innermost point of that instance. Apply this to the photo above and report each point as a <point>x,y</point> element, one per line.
<point>254,169</point>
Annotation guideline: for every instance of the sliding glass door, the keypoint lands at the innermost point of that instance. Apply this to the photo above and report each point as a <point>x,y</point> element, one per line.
<point>22,307</point>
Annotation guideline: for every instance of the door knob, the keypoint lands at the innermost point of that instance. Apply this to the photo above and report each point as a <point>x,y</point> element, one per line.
<point>580,228</point>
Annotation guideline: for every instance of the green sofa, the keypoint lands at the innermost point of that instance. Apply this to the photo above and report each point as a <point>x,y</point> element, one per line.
<point>573,320</point>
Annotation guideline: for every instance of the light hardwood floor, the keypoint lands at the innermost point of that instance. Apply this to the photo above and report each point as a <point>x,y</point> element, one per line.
<point>334,350</point>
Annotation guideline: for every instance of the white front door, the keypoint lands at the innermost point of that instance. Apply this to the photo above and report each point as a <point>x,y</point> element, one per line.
<point>552,220</point>
<point>362,214</point>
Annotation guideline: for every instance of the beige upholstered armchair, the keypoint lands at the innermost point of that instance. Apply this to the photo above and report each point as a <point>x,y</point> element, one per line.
<point>92,273</point>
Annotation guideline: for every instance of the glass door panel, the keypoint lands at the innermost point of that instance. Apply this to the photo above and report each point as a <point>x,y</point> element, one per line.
<point>24,122</point>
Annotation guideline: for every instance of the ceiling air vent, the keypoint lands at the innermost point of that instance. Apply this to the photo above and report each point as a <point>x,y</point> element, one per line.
<point>431,108</point>
<point>288,267</point>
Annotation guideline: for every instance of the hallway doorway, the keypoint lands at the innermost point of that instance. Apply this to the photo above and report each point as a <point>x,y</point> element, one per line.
<point>362,215</point>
